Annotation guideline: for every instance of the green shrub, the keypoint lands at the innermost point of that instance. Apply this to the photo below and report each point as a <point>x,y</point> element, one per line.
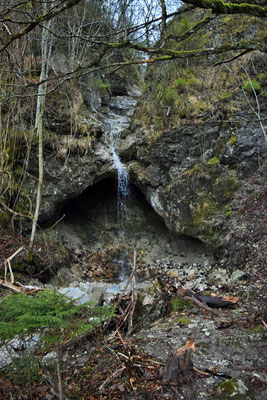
<point>180,84</point>
<point>183,25</point>
<point>59,315</point>
<point>101,85</point>
<point>249,85</point>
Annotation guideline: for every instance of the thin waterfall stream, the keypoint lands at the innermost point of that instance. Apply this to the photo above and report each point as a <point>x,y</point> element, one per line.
<point>117,120</point>
<point>123,188</point>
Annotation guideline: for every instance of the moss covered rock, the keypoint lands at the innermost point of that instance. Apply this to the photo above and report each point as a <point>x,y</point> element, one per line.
<point>233,389</point>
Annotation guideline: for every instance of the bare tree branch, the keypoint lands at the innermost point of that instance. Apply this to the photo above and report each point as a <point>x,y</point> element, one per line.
<point>221,7</point>
<point>41,18</point>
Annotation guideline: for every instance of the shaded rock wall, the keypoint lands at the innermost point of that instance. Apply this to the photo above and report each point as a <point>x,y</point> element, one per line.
<point>190,175</point>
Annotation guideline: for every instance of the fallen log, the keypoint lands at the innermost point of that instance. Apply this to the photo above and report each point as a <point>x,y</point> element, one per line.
<point>201,305</point>
<point>179,362</point>
<point>210,301</point>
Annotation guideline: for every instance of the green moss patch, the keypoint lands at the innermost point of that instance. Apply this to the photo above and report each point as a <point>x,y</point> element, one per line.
<point>180,304</point>
<point>224,188</point>
<point>233,389</point>
<point>183,321</point>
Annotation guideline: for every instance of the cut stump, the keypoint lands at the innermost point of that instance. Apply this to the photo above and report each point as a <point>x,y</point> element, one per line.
<point>179,362</point>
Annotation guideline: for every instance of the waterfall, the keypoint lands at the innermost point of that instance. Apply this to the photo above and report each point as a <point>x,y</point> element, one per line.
<point>123,181</point>
<point>117,119</point>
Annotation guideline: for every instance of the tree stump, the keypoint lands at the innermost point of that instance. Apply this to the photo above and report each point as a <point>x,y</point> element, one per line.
<point>179,362</point>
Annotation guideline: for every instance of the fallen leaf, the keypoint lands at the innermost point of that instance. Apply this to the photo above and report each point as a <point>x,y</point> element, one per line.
<point>231,298</point>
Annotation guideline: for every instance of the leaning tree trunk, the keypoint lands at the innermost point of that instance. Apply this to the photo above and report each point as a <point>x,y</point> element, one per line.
<point>40,107</point>
<point>41,173</point>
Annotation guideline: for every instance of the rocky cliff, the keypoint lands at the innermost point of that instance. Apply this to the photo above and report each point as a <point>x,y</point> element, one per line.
<point>192,143</point>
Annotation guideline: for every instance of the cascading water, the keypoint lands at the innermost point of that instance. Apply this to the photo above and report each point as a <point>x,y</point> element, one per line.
<point>123,182</point>
<point>117,120</point>
<point>123,192</point>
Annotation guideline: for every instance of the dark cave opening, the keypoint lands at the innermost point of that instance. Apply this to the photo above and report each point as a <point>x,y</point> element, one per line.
<point>91,219</point>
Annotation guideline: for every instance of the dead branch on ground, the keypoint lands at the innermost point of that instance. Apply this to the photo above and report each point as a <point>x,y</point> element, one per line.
<point>206,302</point>
<point>126,304</point>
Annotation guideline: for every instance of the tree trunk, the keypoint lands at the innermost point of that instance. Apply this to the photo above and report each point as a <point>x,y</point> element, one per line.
<point>40,107</point>
<point>41,173</point>
<point>124,20</point>
<point>164,17</point>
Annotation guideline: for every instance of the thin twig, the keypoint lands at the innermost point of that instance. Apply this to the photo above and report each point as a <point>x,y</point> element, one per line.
<point>126,312</point>
<point>115,375</point>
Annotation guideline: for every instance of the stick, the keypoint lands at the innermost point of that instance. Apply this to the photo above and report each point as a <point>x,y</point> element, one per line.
<point>121,295</point>
<point>121,339</point>
<point>7,263</point>
<point>121,322</point>
<point>113,376</point>
<point>201,372</point>
<point>134,300</point>
<point>130,277</point>
<point>263,322</point>
<point>11,286</point>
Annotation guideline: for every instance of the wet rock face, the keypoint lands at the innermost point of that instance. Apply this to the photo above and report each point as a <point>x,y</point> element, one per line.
<point>190,176</point>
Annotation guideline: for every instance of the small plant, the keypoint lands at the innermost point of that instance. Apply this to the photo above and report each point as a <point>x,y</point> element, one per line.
<point>232,140</point>
<point>213,160</point>
<point>251,84</point>
<point>170,95</point>
<point>25,368</point>
<point>101,85</point>
<point>180,84</point>
<point>225,95</point>
<point>52,314</point>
